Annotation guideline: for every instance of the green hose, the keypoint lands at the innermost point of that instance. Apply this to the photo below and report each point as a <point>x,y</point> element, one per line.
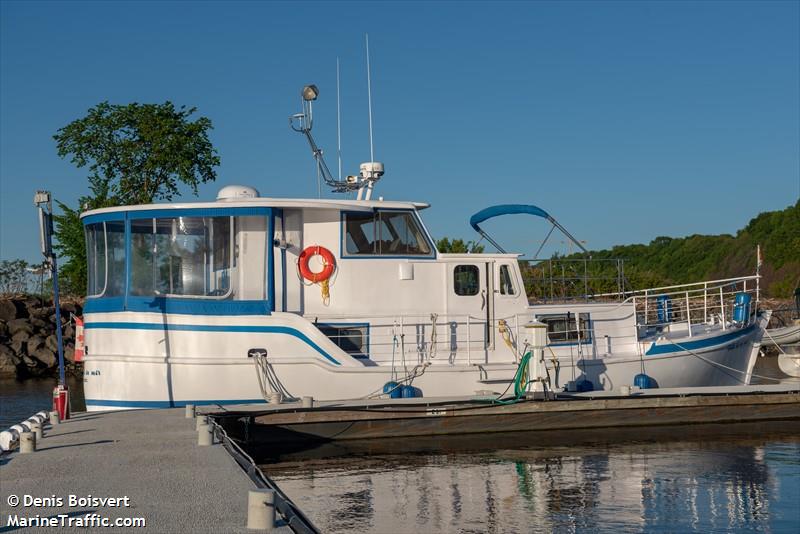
<point>521,377</point>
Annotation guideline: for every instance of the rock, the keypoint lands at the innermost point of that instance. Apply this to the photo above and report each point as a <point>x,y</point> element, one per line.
<point>8,312</point>
<point>69,332</point>
<point>18,325</point>
<point>32,303</point>
<point>28,361</point>
<point>8,363</point>
<point>38,323</point>
<point>3,329</point>
<point>43,313</point>
<point>21,335</point>
<point>34,344</point>
<point>64,318</point>
<point>46,356</point>
<point>69,353</point>
<point>71,307</point>
<point>18,347</point>
<point>51,342</point>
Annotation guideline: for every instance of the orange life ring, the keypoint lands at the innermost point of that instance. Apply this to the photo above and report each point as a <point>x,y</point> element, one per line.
<point>328,262</point>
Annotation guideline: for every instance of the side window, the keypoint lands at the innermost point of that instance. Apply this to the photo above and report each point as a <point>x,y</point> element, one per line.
<point>351,339</point>
<point>466,282</point>
<point>563,327</point>
<point>384,233</point>
<point>506,283</point>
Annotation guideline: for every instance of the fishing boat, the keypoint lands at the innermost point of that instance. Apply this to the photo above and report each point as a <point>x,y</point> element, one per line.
<point>248,298</point>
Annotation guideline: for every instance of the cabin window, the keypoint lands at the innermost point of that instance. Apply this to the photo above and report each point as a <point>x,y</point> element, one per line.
<point>384,233</point>
<point>563,327</point>
<point>466,280</point>
<point>181,256</point>
<point>506,282</point>
<point>105,259</point>
<point>350,338</point>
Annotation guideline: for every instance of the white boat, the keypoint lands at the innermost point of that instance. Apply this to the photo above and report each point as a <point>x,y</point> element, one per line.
<point>237,300</point>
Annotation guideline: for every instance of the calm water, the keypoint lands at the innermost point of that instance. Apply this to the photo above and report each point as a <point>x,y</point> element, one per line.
<point>726,484</point>
<point>21,399</point>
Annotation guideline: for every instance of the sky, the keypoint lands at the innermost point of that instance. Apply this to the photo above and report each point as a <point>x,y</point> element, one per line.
<point>624,120</point>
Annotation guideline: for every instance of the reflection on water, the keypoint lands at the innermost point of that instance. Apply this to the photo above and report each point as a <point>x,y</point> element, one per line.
<point>20,399</point>
<point>708,486</point>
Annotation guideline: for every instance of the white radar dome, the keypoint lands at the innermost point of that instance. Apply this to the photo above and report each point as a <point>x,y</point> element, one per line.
<point>236,192</point>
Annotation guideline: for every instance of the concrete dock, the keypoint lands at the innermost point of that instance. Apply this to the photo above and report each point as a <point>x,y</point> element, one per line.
<point>148,459</point>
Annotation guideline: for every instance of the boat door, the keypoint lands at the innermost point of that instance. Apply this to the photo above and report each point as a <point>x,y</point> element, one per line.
<point>470,290</point>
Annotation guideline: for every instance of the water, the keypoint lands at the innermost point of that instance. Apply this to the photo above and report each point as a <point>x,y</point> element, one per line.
<point>715,483</point>
<point>21,399</point>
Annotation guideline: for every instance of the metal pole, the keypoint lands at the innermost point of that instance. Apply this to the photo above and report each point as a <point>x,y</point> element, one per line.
<point>56,302</point>
<point>688,315</point>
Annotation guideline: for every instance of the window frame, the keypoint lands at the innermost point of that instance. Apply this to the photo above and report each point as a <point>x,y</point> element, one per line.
<point>511,278</point>
<point>375,214</point>
<point>105,259</point>
<point>339,327</point>
<point>585,334</point>
<point>205,305</point>
<point>231,251</point>
<point>477,279</point>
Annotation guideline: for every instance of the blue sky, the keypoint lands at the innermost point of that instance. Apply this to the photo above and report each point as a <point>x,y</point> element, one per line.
<point>625,120</point>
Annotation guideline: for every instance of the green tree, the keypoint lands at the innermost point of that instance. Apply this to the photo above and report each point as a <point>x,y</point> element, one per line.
<point>14,277</point>
<point>136,154</point>
<point>458,246</point>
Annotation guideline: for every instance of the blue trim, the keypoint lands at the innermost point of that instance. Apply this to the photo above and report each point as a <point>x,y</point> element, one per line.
<point>270,267</point>
<point>128,269</point>
<point>343,245</point>
<point>212,328</point>
<point>104,304</point>
<point>700,344</point>
<point>198,306</point>
<point>103,217</point>
<point>166,404</point>
<point>505,209</point>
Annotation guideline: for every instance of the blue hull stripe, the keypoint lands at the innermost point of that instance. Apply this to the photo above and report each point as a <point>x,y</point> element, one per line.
<point>214,328</point>
<point>667,348</point>
<point>166,404</point>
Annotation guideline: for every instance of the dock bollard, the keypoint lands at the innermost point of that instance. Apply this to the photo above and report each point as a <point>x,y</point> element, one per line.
<point>27,442</point>
<point>190,411</point>
<point>308,402</point>
<point>625,391</point>
<point>261,509</point>
<point>200,420</point>
<point>36,428</point>
<point>204,435</point>
<point>275,398</point>
<point>54,419</point>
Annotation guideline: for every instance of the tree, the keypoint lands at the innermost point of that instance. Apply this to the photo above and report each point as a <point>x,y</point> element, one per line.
<point>458,246</point>
<point>140,152</point>
<point>136,154</point>
<point>14,277</point>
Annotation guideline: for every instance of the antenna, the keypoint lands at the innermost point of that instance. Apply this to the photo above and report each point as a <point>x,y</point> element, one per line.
<point>369,100</point>
<point>338,121</point>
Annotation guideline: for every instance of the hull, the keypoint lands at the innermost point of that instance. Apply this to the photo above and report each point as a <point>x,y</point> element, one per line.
<point>208,365</point>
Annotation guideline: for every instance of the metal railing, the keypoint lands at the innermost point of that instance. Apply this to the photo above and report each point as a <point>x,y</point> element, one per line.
<point>569,279</point>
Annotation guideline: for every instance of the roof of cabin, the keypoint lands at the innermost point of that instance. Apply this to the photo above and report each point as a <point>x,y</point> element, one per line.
<point>343,204</point>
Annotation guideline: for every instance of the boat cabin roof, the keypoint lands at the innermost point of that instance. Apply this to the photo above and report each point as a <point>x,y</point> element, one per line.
<point>339,204</point>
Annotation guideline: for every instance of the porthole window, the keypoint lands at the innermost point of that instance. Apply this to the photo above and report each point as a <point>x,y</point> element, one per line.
<point>466,281</point>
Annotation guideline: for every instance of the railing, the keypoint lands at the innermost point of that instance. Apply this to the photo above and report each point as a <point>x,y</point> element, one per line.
<point>570,279</point>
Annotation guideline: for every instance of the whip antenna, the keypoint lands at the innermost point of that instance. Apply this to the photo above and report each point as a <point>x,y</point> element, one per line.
<point>338,121</point>
<point>369,101</point>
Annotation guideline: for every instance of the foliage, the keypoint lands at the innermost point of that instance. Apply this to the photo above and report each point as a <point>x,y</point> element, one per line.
<point>14,277</point>
<point>458,246</point>
<point>667,261</point>
<point>140,152</point>
<point>136,154</point>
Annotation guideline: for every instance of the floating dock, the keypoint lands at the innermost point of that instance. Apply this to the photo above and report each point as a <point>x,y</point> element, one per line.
<point>128,466</point>
<point>293,426</point>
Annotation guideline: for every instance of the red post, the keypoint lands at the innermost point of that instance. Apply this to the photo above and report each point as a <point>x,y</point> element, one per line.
<point>61,402</point>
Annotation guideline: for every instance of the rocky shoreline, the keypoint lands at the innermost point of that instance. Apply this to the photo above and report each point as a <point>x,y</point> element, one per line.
<point>28,341</point>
